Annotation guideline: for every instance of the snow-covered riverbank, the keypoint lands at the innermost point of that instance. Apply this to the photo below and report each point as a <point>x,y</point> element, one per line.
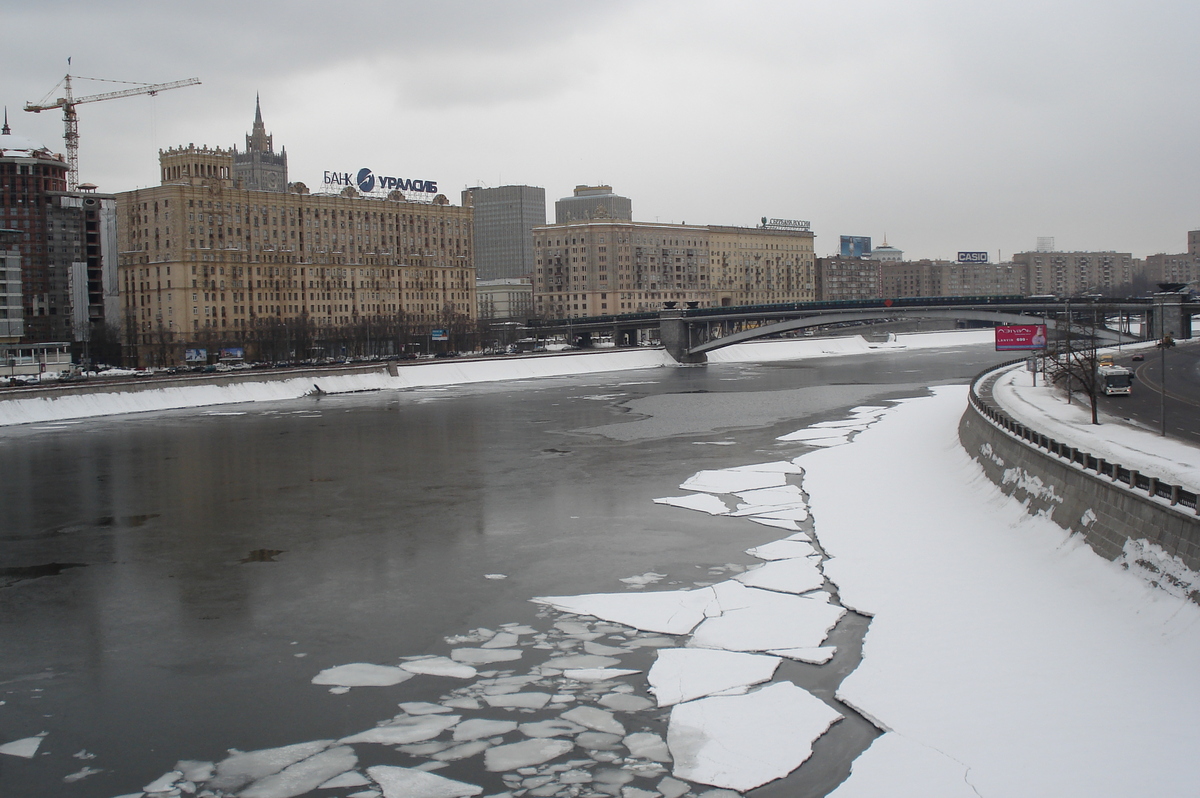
<point>19,409</point>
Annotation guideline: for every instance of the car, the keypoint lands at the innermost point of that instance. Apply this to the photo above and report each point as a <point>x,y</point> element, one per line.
<point>1138,358</point>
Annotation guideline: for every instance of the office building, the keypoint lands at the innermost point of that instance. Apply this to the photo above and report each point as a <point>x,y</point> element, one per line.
<point>504,220</point>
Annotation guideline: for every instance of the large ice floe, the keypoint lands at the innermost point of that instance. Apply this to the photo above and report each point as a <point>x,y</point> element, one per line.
<point>634,694</point>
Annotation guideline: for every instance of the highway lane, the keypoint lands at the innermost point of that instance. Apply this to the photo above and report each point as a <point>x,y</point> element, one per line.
<point>1182,393</point>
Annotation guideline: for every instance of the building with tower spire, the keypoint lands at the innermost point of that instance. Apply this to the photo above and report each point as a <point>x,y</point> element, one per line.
<point>260,168</point>
<point>228,259</point>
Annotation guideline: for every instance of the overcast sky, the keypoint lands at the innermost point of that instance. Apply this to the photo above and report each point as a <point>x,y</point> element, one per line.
<point>945,125</point>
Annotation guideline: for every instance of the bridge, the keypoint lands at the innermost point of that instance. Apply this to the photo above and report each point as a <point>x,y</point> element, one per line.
<point>689,333</point>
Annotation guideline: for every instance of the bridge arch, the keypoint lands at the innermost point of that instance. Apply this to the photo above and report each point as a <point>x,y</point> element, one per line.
<point>821,319</point>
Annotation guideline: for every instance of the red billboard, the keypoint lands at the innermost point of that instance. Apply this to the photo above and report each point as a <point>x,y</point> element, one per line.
<point>1020,337</point>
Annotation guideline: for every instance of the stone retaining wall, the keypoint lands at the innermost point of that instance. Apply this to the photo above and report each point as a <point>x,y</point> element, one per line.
<point>1107,513</point>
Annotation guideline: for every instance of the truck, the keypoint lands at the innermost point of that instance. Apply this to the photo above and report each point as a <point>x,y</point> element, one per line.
<point>1115,380</point>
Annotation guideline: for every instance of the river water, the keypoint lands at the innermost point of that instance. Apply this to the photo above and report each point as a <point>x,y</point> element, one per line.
<point>171,582</point>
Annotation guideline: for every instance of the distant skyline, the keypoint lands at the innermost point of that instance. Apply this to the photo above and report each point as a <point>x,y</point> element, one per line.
<point>940,125</point>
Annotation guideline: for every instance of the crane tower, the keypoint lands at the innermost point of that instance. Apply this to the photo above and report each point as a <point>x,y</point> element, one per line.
<point>69,101</point>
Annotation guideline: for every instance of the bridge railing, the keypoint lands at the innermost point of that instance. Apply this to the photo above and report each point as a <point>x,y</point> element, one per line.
<point>1177,495</point>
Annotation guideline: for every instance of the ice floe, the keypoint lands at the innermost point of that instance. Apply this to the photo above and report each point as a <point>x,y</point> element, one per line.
<point>440,666</point>
<point>600,720</point>
<point>518,700</point>
<point>704,502</point>
<point>303,776</point>
<point>797,575</point>
<point>674,612</point>
<point>362,674</point>
<point>742,742</point>
<point>484,656</point>
<point>760,620</point>
<point>815,656</point>
<point>398,782</point>
<point>597,674</point>
<point>405,730</point>
<point>782,550</point>
<point>732,481</point>
<point>525,753</point>
<point>243,767</point>
<point>478,728</point>
<point>684,674</point>
<point>25,747</point>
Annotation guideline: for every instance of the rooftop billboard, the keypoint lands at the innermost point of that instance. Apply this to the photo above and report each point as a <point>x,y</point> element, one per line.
<point>856,246</point>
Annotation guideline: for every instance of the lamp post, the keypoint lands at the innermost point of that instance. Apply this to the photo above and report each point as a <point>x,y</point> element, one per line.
<point>1163,345</point>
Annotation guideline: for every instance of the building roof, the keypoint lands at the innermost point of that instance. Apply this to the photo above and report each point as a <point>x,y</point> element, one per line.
<point>20,146</point>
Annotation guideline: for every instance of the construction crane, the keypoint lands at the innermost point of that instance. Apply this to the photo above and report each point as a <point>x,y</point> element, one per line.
<point>69,101</point>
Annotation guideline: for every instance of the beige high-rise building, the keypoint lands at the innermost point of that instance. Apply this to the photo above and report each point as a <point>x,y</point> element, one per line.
<point>208,264</point>
<point>605,267</point>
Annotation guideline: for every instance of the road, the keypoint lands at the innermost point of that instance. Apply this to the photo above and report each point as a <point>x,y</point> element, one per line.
<point>1144,405</point>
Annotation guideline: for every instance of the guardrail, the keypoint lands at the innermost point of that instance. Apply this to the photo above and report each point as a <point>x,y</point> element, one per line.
<point>1114,472</point>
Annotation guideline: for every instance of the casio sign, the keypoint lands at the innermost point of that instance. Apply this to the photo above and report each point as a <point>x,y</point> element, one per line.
<point>972,257</point>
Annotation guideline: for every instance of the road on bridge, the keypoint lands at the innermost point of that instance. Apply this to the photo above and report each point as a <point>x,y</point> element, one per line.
<point>1182,398</point>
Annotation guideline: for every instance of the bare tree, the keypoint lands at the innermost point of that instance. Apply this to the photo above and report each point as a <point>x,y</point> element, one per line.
<point>1076,363</point>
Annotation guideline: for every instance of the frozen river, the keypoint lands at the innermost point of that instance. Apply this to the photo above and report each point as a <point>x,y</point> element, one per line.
<point>171,583</point>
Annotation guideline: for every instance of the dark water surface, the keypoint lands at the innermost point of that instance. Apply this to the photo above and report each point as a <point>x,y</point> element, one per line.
<point>162,574</point>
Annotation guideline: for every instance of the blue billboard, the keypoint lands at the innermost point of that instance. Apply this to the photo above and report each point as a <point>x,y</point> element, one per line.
<point>856,246</point>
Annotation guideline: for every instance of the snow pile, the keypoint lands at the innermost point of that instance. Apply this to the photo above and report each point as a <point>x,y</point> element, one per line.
<point>1044,409</point>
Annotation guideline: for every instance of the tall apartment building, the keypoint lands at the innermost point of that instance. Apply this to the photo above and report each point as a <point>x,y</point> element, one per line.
<point>1183,268</point>
<point>761,265</point>
<point>592,203</point>
<point>67,244</point>
<point>12,314</point>
<point>504,220</point>
<point>841,278</point>
<point>912,278</point>
<point>207,263</point>
<point>1194,243</point>
<point>946,278</point>
<point>1074,273</point>
<point>601,267</point>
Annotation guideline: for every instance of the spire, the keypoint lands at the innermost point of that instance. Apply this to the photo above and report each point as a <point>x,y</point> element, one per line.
<point>258,140</point>
<point>6,130</point>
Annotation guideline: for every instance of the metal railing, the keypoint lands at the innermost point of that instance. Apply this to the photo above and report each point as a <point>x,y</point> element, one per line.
<point>1114,472</point>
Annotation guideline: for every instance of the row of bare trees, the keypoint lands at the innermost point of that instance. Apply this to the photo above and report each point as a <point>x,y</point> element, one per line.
<point>275,339</point>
